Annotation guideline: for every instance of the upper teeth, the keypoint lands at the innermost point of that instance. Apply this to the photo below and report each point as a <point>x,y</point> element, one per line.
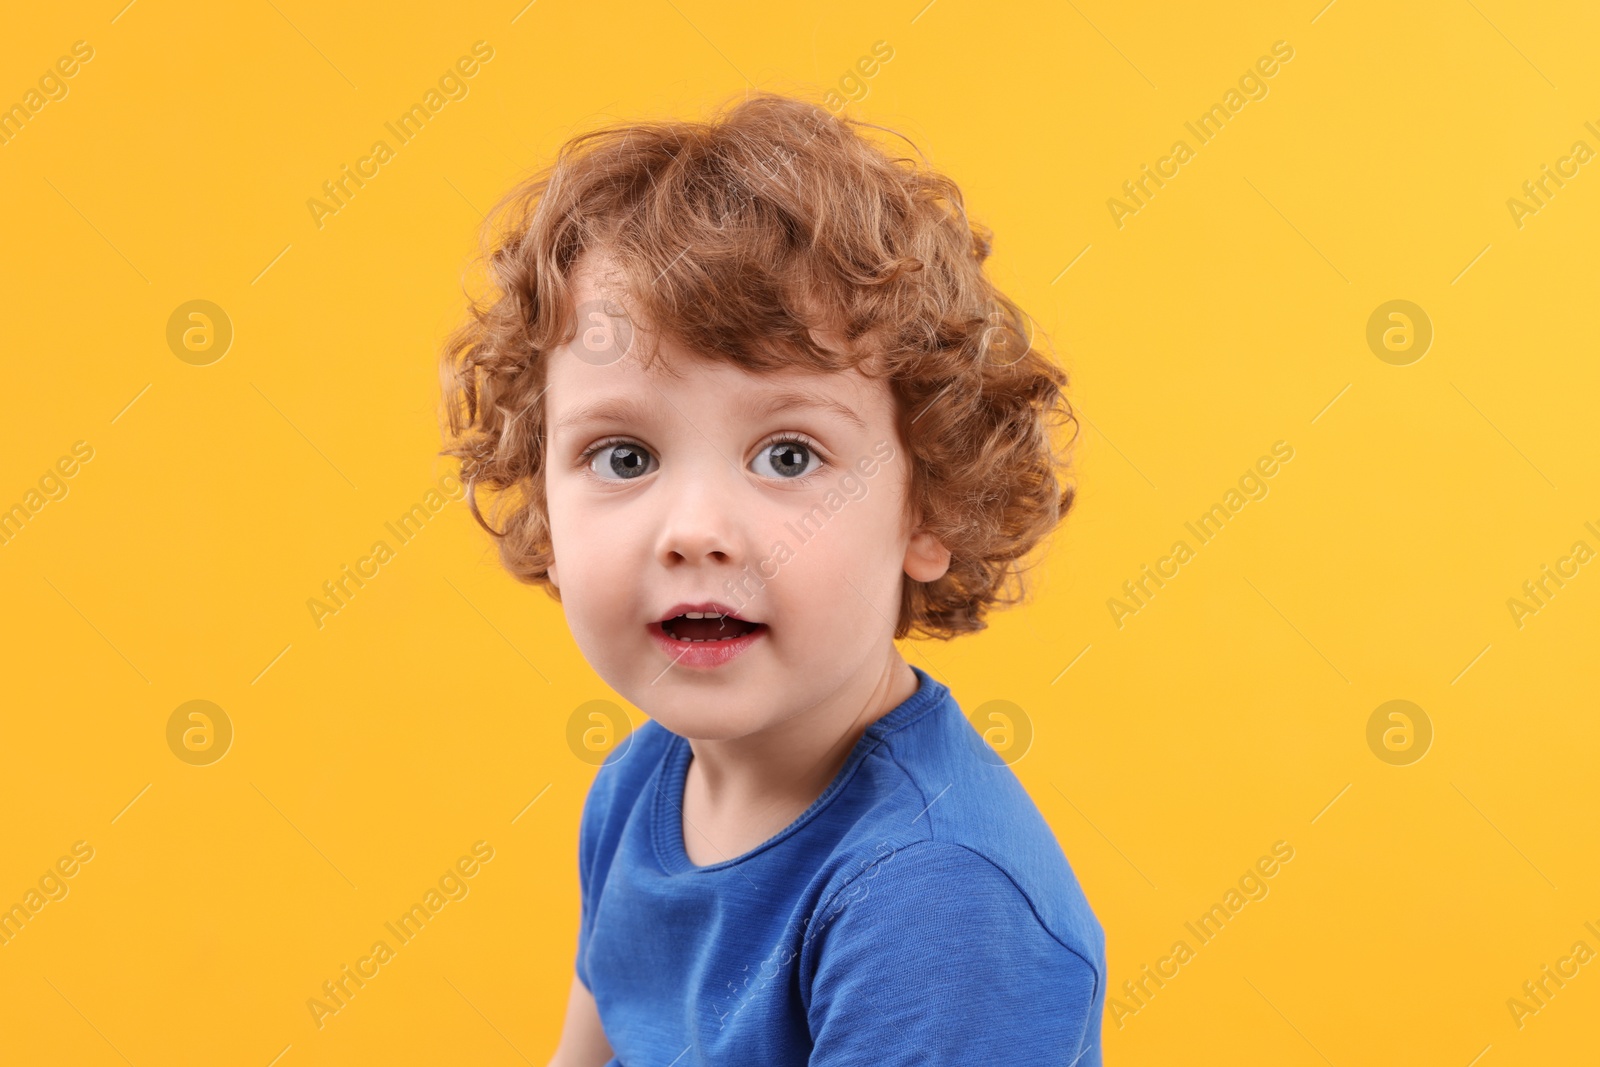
<point>701,615</point>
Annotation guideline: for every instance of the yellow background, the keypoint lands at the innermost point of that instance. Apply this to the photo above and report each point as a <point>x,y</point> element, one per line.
<point>1228,314</point>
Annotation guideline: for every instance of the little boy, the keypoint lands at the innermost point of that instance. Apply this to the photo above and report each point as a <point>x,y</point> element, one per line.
<point>760,414</point>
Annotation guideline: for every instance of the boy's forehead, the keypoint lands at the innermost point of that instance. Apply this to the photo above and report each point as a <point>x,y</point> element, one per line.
<point>575,384</point>
<point>714,388</point>
<point>595,274</point>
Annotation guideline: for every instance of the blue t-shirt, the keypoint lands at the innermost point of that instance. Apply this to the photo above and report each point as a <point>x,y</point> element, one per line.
<point>919,912</point>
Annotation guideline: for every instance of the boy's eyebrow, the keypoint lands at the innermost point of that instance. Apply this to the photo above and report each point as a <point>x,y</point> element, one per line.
<point>621,409</point>
<point>614,409</point>
<point>793,398</point>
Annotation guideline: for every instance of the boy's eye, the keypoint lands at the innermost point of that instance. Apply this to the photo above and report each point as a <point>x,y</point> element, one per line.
<point>787,459</point>
<point>626,461</point>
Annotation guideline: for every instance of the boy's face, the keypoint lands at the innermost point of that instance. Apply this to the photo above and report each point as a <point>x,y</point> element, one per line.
<point>712,489</point>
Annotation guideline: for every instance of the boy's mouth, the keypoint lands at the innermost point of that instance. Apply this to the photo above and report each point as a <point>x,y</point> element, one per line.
<point>708,627</point>
<point>700,623</point>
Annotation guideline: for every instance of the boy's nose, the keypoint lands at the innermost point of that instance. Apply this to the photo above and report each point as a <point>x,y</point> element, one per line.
<point>701,519</point>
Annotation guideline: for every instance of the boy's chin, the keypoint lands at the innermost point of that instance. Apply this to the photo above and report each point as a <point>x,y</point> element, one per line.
<point>705,721</point>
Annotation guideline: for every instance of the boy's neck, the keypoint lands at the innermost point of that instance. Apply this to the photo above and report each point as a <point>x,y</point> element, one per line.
<point>758,784</point>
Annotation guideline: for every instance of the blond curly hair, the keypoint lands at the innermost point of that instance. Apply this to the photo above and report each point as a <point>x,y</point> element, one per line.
<point>777,219</point>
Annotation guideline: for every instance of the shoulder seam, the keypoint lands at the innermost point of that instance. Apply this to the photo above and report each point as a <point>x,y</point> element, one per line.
<point>1036,916</point>
<point>888,754</point>
<point>1087,962</point>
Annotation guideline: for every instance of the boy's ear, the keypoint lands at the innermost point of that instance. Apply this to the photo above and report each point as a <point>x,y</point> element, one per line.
<point>927,559</point>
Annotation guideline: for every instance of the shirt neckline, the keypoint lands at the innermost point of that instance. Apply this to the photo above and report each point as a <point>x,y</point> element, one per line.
<point>666,811</point>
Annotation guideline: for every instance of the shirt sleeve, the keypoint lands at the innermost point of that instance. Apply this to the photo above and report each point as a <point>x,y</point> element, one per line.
<point>932,956</point>
<point>615,787</point>
<point>586,850</point>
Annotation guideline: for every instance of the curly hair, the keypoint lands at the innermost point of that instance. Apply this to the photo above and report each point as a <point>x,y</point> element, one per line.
<point>747,233</point>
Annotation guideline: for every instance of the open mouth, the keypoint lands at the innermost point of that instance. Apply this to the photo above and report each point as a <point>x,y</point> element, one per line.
<point>696,627</point>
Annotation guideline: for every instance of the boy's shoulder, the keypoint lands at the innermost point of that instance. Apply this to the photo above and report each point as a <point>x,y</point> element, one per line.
<point>932,793</point>
<point>624,772</point>
<point>923,796</point>
<point>612,796</point>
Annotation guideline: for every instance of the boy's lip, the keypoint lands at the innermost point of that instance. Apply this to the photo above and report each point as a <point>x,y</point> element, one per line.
<point>704,606</point>
<point>704,654</point>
